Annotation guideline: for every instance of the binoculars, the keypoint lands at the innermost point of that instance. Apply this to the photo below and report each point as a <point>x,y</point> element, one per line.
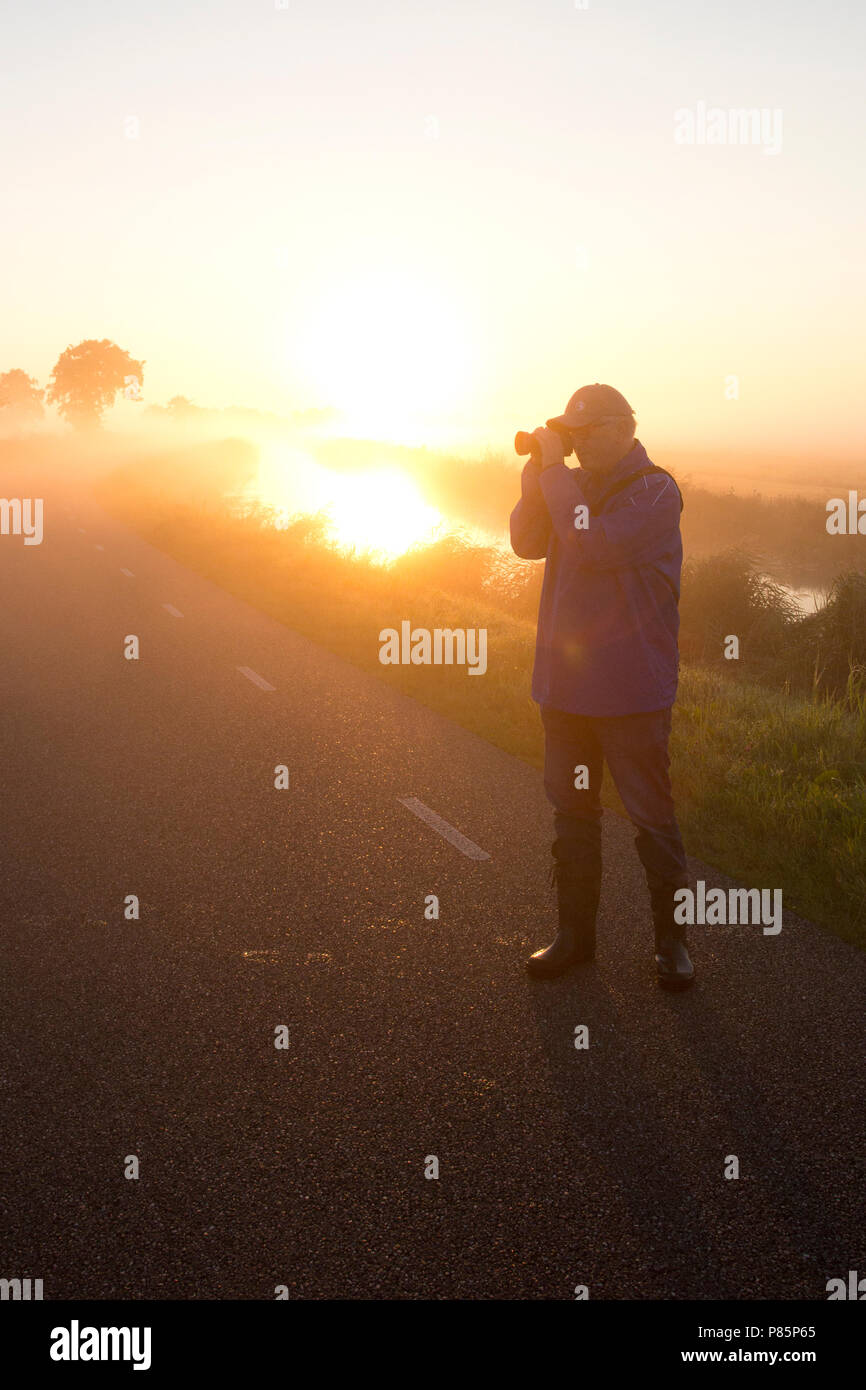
<point>525,443</point>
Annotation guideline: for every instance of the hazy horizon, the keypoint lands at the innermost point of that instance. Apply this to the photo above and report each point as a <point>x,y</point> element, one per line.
<point>349,209</point>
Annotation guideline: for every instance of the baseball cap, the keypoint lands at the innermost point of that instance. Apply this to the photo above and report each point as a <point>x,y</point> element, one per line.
<point>589,404</point>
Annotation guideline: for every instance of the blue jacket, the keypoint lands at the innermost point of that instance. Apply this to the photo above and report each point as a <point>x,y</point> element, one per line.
<point>608,619</point>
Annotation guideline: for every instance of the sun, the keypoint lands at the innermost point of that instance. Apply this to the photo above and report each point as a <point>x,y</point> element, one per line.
<point>377,511</point>
<point>390,352</point>
<point>381,512</point>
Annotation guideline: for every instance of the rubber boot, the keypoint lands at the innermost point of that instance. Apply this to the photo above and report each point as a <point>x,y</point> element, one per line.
<point>674,968</point>
<point>577,896</point>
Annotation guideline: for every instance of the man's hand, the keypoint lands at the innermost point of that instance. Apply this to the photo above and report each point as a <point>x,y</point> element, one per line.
<point>552,448</point>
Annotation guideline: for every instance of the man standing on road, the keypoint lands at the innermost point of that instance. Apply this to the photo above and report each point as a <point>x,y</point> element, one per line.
<point>606,662</point>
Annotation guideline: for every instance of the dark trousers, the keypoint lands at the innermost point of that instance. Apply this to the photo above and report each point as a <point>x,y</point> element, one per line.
<point>635,748</point>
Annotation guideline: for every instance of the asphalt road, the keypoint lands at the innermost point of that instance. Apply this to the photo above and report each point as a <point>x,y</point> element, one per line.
<point>305,1167</point>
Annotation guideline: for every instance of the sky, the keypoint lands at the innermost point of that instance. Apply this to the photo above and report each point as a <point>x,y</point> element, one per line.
<point>442,218</point>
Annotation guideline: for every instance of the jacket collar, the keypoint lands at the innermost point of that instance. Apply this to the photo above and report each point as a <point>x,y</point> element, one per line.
<point>632,462</point>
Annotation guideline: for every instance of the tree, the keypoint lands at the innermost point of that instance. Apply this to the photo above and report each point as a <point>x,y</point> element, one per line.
<point>87,378</point>
<point>21,395</point>
<point>180,408</point>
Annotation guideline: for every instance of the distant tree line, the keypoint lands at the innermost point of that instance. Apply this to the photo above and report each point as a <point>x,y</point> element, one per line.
<point>85,381</point>
<point>88,377</point>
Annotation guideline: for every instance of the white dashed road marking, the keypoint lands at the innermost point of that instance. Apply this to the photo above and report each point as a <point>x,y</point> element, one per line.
<point>175,612</point>
<point>129,574</point>
<point>467,847</point>
<point>99,547</point>
<point>256,680</point>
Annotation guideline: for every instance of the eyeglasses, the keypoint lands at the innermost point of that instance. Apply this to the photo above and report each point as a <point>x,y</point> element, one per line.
<point>581,431</point>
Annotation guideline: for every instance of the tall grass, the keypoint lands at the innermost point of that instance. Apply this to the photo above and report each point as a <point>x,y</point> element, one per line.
<point>771,786</point>
<point>824,651</point>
